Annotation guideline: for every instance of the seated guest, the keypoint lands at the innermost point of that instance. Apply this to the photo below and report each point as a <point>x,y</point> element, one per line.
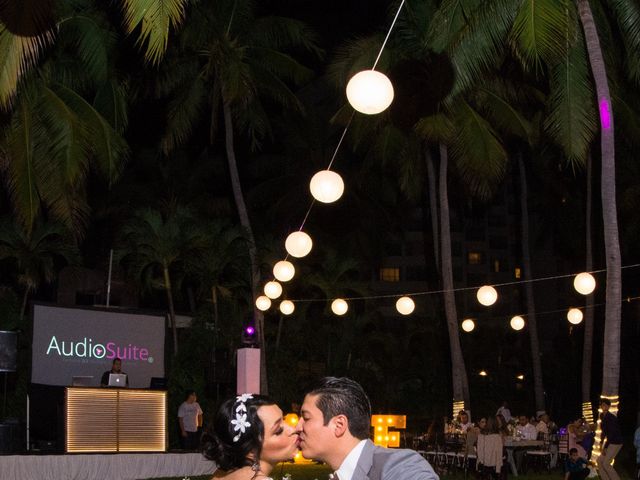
<point>490,446</point>
<point>525,430</point>
<point>576,435</point>
<point>116,367</point>
<point>463,420</point>
<point>503,426</point>
<point>575,467</point>
<point>543,424</point>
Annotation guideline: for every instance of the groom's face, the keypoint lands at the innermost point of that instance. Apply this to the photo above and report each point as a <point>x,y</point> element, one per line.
<point>315,438</point>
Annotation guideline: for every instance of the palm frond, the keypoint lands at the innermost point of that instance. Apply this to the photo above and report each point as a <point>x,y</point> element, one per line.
<point>154,18</point>
<point>541,32</point>
<point>628,17</point>
<point>504,114</point>
<point>436,128</point>
<point>17,55</point>
<point>111,101</point>
<point>354,56</point>
<point>183,113</point>
<point>571,119</point>
<point>281,33</point>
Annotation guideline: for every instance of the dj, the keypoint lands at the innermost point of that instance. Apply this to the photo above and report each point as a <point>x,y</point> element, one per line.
<point>116,367</point>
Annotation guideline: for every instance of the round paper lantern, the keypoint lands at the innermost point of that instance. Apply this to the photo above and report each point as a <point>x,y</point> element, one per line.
<point>487,295</point>
<point>405,305</point>
<point>517,323</point>
<point>298,244</point>
<point>339,306</point>
<point>584,283</point>
<point>284,271</point>
<point>272,290</point>
<point>370,92</point>
<point>263,303</point>
<point>326,186</point>
<point>574,315</point>
<point>287,307</point>
<point>468,325</point>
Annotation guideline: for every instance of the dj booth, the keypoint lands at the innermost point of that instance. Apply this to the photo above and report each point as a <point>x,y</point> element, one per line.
<point>115,420</point>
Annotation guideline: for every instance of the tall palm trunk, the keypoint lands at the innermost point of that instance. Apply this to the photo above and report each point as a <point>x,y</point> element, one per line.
<point>433,205</point>
<point>458,371</point>
<point>587,348</point>
<point>611,350</point>
<point>246,224</point>
<point>528,288</point>
<point>172,313</point>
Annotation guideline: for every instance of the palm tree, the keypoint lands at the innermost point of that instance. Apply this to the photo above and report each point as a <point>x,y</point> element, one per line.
<point>35,253</point>
<point>156,243</point>
<point>235,61</point>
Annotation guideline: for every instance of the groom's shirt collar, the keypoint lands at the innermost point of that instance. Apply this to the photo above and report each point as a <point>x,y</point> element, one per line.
<point>345,472</point>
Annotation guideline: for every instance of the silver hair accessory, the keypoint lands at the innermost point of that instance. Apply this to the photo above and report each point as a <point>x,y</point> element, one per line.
<point>240,423</point>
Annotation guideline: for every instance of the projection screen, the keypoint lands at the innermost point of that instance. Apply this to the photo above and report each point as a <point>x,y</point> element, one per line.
<point>74,342</point>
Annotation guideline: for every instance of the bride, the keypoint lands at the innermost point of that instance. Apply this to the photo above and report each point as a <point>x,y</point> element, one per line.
<point>248,438</point>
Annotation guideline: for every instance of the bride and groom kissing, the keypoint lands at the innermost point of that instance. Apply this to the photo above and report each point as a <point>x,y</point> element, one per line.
<point>249,437</point>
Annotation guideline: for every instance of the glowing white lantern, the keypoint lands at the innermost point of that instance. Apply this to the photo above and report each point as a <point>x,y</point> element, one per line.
<point>468,325</point>
<point>405,305</point>
<point>287,307</point>
<point>574,315</point>
<point>326,186</point>
<point>284,271</point>
<point>263,303</point>
<point>370,92</point>
<point>487,295</point>
<point>517,323</point>
<point>584,283</point>
<point>272,290</point>
<point>339,306</point>
<point>298,244</point>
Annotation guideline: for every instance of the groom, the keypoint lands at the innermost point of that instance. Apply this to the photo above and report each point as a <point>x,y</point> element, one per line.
<point>334,428</point>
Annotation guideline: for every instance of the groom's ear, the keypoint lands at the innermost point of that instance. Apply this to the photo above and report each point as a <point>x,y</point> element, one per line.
<point>340,425</point>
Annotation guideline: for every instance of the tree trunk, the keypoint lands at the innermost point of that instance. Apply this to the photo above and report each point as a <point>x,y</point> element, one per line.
<point>433,206</point>
<point>458,371</point>
<point>214,300</point>
<point>246,224</point>
<point>528,287</point>
<point>611,350</point>
<point>172,313</point>
<point>23,308</point>
<point>588,313</point>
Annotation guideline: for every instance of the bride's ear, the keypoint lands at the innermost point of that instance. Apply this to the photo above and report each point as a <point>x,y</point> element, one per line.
<point>340,425</point>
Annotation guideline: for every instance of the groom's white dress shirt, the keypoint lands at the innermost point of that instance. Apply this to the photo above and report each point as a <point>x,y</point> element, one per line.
<point>345,472</point>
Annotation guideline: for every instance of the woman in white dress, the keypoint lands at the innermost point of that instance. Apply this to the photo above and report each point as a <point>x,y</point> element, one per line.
<point>248,438</point>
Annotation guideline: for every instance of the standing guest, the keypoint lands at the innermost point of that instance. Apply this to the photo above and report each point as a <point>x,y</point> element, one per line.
<point>116,367</point>
<point>575,436</point>
<point>612,438</point>
<point>505,412</point>
<point>575,467</point>
<point>190,419</point>
<point>334,428</point>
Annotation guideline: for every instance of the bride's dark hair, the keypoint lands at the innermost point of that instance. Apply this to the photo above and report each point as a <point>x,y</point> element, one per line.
<point>218,444</point>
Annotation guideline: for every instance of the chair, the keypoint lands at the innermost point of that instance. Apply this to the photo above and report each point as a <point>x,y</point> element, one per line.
<point>539,458</point>
<point>563,447</point>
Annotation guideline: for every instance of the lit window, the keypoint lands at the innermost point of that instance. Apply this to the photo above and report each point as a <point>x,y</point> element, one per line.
<point>390,274</point>
<point>474,258</point>
<point>517,273</point>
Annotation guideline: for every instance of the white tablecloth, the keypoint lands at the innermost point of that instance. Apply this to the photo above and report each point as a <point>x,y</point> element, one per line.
<point>121,466</point>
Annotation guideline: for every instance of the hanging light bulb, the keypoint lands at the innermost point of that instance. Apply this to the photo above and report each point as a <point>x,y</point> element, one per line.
<point>339,306</point>
<point>405,306</point>
<point>263,303</point>
<point>517,323</point>
<point>574,315</point>
<point>287,307</point>
<point>284,271</point>
<point>468,325</point>
<point>326,186</point>
<point>370,92</point>
<point>272,290</point>
<point>584,283</point>
<point>298,244</point>
<point>487,295</point>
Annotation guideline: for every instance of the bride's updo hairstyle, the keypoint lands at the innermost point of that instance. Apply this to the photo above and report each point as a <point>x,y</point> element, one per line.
<point>234,438</point>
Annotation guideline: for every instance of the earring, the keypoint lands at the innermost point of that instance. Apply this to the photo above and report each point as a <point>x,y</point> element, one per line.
<point>255,466</point>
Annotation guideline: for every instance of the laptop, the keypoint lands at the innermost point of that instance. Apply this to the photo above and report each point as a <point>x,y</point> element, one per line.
<point>117,379</point>
<point>82,381</point>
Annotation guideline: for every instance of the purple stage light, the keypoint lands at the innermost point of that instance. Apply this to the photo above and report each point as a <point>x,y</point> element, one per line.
<point>250,330</point>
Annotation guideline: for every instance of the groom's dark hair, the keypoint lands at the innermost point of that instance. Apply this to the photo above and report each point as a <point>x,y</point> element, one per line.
<point>343,396</point>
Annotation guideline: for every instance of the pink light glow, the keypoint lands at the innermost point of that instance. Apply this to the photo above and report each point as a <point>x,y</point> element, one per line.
<point>605,115</point>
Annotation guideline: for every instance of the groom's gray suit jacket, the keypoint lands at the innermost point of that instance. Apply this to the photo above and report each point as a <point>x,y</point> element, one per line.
<point>377,463</point>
